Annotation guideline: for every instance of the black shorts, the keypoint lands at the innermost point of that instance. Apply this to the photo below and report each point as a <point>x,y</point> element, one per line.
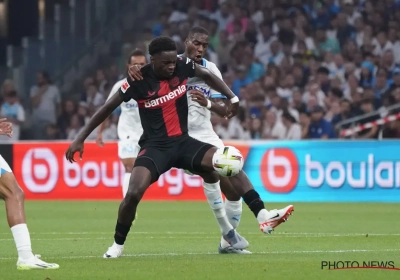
<point>187,153</point>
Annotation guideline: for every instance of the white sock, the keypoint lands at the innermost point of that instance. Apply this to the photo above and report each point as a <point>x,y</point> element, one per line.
<point>233,211</point>
<point>214,197</point>
<point>22,241</point>
<point>125,183</point>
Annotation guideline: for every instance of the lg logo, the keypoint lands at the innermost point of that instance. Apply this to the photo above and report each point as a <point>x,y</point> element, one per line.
<point>40,170</point>
<point>279,170</point>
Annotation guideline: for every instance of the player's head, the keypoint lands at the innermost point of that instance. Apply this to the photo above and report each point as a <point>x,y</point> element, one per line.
<point>137,57</point>
<point>197,43</point>
<point>163,56</point>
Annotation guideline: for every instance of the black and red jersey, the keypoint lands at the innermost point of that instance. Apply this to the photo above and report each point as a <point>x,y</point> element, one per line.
<point>163,105</point>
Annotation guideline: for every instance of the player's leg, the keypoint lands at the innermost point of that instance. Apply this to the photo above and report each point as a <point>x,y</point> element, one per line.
<point>233,201</point>
<point>148,167</point>
<point>127,152</point>
<point>267,220</point>
<point>13,197</point>
<point>191,152</point>
<point>233,208</point>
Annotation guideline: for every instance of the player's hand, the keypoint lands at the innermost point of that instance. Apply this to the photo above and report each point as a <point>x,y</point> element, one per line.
<point>5,127</point>
<point>198,97</point>
<point>134,73</point>
<point>99,140</point>
<point>233,110</point>
<point>76,146</point>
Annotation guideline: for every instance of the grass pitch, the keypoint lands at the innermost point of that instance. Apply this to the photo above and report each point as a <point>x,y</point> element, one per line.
<point>179,240</point>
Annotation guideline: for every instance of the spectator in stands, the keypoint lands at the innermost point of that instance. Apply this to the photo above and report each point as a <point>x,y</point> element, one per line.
<point>256,128</point>
<point>94,99</point>
<point>14,112</point>
<point>69,109</point>
<point>293,129</point>
<point>75,126</point>
<point>367,107</point>
<point>46,103</point>
<point>319,127</point>
<point>273,128</point>
<point>53,133</point>
<point>101,81</point>
<point>110,130</point>
<point>316,61</point>
<point>7,86</point>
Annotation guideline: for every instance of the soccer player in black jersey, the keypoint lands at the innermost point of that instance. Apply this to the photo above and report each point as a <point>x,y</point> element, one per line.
<point>165,143</point>
<point>234,188</point>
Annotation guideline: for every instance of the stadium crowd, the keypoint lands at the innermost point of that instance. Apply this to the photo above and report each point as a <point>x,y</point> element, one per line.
<point>299,67</point>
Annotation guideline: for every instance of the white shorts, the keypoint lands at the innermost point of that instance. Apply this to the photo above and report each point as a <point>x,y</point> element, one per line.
<point>128,149</point>
<point>209,139</point>
<point>4,167</point>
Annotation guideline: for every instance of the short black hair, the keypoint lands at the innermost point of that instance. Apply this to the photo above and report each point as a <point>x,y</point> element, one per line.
<point>136,52</point>
<point>199,30</point>
<point>161,44</point>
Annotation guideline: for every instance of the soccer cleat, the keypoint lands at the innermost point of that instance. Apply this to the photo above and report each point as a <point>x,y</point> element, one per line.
<point>235,240</point>
<point>231,250</point>
<point>115,251</point>
<point>275,218</point>
<point>35,263</point>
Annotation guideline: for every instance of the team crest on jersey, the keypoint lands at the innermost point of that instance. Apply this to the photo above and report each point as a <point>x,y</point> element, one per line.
<point>125,86</point>
<point>174,82</point>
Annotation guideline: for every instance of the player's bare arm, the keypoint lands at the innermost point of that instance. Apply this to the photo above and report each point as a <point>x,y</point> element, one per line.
<point>217,84</point>
<point>218,105</point>
<point>95,121</point>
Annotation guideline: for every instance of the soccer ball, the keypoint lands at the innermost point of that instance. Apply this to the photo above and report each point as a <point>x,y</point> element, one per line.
<point>228,161</point>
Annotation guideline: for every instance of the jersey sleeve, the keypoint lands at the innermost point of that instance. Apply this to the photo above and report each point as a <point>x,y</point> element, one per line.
<point>127,90</point>
<point>186,67</point>
<point>214,69</point>
<point>114,89</point>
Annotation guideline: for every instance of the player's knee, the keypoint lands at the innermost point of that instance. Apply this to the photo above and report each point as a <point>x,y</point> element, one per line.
<point>133,196</point>
<point>210,177</point>
<point>206,161</point>
<point>135,192</point>
<point>14,193</point>
<point>128,168</point>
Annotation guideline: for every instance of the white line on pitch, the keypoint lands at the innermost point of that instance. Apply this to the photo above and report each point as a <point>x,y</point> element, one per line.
<point>184,237</point>
<point>213,253</point>
<point>287,234</point>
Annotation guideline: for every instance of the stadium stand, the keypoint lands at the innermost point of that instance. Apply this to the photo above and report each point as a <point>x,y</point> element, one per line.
<point>302,69</point>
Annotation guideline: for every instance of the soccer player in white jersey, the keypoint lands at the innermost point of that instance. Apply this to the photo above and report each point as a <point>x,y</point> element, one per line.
<point>129,125</point>
<point>200,127</point>
<point>13,197</point>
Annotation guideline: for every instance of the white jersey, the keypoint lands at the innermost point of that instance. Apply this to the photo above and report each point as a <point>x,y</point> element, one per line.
<point>129,125</point>
<point>199,119</point>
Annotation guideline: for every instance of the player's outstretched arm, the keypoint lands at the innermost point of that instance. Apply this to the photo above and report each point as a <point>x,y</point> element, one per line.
<point>219,85</point>
<point>216,106</point>
<point>98,118</point>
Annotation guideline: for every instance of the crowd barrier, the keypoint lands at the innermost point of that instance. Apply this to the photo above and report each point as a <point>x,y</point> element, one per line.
<point>309,171</point>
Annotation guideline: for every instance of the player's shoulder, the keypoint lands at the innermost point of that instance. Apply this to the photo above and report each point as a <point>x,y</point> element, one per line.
<point>183,60</point>
<point>210,65</point>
